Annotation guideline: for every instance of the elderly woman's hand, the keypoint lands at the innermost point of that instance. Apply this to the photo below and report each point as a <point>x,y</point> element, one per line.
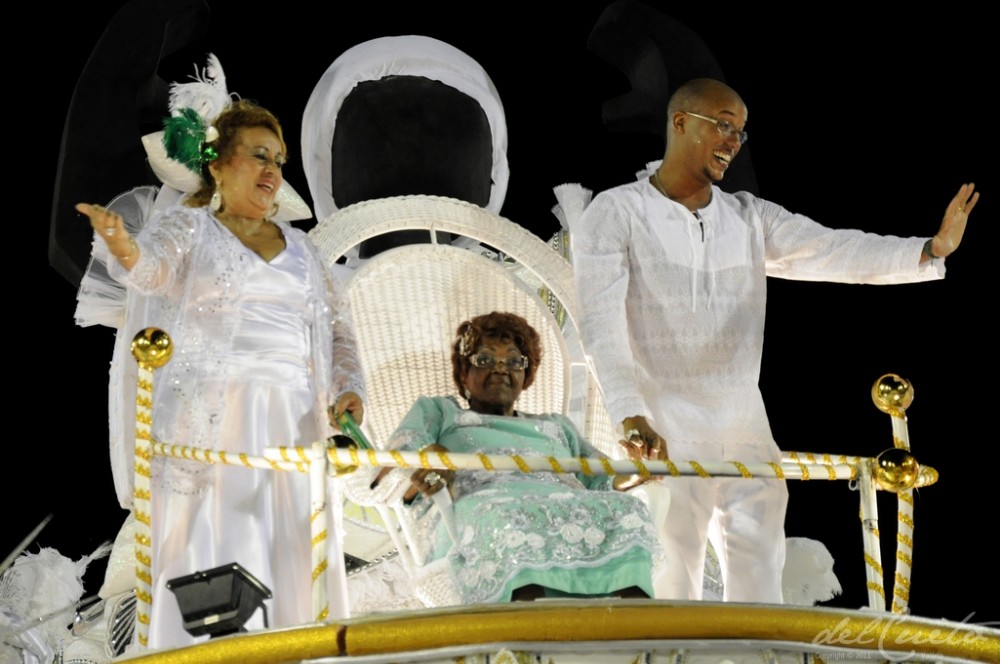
<point>111,228</point>
<point>347,402</point>
<point>429,481</point>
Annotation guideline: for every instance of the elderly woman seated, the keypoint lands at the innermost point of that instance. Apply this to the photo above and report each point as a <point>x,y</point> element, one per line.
<point>520,536</point>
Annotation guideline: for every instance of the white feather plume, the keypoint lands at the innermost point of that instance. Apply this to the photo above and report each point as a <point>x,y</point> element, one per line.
<point>39,594</point>
<point>206,93</point>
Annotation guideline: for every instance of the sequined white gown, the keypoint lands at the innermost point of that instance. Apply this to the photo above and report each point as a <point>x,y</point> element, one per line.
<point>259,353</point>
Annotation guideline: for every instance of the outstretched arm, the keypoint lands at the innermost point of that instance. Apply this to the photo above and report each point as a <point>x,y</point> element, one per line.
<point>110,227</point>
<point>956,216</point>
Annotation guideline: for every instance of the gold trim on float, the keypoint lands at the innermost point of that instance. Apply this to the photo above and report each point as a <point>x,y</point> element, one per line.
<point>650,620</point>
<point>288,645</point>
<point>566,621</point>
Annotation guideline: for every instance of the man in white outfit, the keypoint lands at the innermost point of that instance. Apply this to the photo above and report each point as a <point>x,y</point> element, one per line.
<point>671,275</point>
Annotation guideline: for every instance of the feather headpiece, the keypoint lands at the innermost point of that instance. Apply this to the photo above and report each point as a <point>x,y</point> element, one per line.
<point>178,153</point>
<point>188,132</point>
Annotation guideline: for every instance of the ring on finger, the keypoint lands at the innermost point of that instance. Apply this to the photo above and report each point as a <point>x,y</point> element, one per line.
<point>632,433</point>
<point>110,231</point>
<point>432,478</point>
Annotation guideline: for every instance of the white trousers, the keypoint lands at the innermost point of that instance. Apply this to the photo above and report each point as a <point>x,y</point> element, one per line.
<point>745,518</point>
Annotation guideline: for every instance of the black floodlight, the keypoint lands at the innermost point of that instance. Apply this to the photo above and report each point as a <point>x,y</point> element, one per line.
<point>219,601</point>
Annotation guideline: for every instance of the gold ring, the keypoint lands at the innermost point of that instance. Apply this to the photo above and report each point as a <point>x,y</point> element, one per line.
<point>632,433</point>
<point>961,208</point>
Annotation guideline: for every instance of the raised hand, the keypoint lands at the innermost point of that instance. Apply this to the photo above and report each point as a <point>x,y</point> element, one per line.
<point>110,227</point>
<point>956,215</point>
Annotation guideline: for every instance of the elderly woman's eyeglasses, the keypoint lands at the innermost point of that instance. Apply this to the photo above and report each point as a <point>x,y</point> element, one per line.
<point>490,361</point>
<point>726,130</point>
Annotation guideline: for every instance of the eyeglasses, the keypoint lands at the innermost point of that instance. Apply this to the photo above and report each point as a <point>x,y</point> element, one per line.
<point>490,361</point>
<point>726,130</point>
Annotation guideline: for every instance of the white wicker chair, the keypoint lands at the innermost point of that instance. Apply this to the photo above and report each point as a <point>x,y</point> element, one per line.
<point>407,302</point>
<point>413,297</point>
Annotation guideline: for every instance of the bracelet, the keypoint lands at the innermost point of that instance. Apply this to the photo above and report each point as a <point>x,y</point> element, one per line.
<point>132,246</point>
<point>929,249</point>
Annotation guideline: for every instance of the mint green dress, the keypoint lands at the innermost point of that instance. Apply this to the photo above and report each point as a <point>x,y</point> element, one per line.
<point>570,533</point>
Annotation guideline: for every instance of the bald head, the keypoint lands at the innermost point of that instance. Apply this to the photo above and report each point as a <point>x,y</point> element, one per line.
<point>693,94</point>
<point>701,95</point>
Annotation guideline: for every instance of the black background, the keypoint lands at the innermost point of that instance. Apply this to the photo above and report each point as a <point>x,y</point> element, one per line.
<point>858,120</point>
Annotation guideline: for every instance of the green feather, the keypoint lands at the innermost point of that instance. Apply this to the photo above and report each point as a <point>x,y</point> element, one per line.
<point>183,137</point>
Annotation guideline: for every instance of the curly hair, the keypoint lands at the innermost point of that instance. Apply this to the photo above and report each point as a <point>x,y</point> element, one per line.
<point>238,115</point>
<point>495,325</point>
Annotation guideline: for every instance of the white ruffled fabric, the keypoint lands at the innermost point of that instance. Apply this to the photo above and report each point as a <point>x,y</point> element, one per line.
<point>385,586</point>
<point>571,200</point>
<point>101,299</point>
<point>38,598</point>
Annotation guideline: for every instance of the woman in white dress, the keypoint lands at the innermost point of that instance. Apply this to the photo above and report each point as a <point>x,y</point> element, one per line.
<point>261,350</point>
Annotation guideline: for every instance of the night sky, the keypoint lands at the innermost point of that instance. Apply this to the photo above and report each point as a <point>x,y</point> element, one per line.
<point>857,120</point>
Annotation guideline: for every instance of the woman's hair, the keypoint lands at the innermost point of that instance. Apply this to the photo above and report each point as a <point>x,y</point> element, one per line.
<point>496,325</point>
<point>238,115</point>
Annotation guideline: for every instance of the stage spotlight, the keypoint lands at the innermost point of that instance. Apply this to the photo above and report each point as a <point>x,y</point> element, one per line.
<point>219,601</point>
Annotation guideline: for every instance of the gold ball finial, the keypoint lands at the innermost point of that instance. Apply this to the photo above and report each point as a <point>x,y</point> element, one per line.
<point>152,347</point>
<point>892,394</point>
<point>896,470</point>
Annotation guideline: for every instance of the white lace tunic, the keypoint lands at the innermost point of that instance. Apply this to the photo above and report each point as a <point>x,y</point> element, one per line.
<point>672,305</point>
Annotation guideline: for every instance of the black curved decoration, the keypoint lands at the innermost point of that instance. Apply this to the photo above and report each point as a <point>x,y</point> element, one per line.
<point>118,98</point>
<point>657,54</point>
<point>404,135</point>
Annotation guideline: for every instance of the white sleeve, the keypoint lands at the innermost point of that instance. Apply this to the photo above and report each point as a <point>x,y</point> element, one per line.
<point>336,346</point>
<point>600,249</point>
<point>347,374</point>
<point>164,246</point>
<point>797,247</point>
